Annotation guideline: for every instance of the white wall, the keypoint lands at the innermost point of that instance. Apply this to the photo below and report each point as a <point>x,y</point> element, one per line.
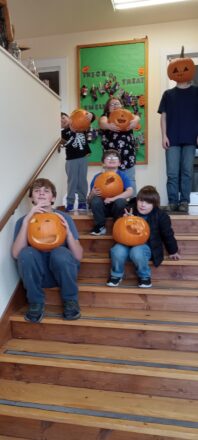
<point>163,38</point>
<point>29,127</point>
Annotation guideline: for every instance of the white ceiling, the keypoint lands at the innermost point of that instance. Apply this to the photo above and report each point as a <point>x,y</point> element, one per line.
<point>36,18</point>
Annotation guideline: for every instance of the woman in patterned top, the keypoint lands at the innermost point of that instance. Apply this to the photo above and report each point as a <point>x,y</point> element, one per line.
<point>122,141</point>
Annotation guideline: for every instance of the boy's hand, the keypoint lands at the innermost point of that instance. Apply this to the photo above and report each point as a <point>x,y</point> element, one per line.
<point>89,116</point>
<point>128,212</point>
<point>95,192</point>
<point>165,142</point>
<point>175,256</point>
<point>39,208</point>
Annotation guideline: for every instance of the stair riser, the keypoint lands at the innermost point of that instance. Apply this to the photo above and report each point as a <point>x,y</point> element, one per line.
<point>152,339</point>
<point>49,430</point>
<point>165,272</point>
<point>180,226</point>
<point>90,246</point>
<point>132,301</point>
<point>99,380</point>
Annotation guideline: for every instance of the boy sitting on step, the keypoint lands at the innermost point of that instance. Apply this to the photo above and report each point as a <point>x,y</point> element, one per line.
<point>58,267</point>
<point>111,206</point>
<point>145,205</point>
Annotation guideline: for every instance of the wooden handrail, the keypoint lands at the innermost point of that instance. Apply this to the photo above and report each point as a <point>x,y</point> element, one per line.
<point>22,193</point>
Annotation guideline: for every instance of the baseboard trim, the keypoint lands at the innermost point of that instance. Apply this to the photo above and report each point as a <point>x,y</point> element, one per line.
<point>17,300</point>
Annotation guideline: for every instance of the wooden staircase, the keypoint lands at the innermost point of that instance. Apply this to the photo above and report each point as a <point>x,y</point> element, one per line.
<point>127,370</point>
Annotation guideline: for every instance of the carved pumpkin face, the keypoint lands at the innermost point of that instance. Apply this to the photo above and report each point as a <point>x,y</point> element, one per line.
<point>181,69</point>
<point>79,120</point>
<point>45,231</point>
<point>109,183</point>
<point>131,230</point>
<point>121,118</point>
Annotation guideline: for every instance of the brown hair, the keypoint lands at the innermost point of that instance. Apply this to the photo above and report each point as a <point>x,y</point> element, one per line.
<point>108,152</point>
<point>107,105</point>
<point>39,183</point>
<point>149,194</point>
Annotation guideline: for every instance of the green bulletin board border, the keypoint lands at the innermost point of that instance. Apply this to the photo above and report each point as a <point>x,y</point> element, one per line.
<point>87,76</point>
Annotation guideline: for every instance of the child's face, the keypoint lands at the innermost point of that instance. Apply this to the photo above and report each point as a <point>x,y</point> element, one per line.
<point>143,207</point>
<point>42,196</point>
<point>114,105</point>
<point>64,121</point>
<point>111,162</point>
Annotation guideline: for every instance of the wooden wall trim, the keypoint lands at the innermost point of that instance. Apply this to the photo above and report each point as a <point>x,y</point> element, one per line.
<point>17,300</point>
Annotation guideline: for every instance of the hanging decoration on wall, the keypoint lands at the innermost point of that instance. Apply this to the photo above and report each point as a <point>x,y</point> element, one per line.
<point>115,69</point>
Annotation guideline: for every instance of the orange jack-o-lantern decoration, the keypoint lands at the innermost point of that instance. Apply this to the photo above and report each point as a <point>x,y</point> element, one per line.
<point>141,71</point>
<point>181,69</point>
<point>121,118</point>
<point>79,121</point>
<point>46,231</point>
<point>109,183</point>
<point>131,230</point>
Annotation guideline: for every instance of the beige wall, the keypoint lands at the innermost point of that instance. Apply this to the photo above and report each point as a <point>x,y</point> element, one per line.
<point>163,39</point>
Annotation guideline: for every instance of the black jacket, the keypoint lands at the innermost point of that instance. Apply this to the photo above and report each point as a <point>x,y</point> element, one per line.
<point>161,232</point>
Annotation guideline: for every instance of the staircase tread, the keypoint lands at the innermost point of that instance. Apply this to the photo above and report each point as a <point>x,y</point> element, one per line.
<point>178,236</point>
<point>189,261</point>
<point>121,318</point>
<point>89,406</point>
<point>158,363</point>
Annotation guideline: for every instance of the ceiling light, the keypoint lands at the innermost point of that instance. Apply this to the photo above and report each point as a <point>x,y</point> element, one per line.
<point>128,4</point>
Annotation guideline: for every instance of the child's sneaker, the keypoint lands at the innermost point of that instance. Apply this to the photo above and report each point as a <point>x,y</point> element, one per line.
<point>82,206</point>
<point>145,283</point>
<point>114,281</point>
<point>71,310</point>
<point>70,207</point>
<point>35,313</point>
<point>98,230</point>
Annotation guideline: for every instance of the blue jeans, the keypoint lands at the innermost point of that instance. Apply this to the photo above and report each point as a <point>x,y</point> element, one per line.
<point>48,269</point>
<point>130,173</point>
<point>139,255</point>
<point>101,210</point>
<point>179,167</point>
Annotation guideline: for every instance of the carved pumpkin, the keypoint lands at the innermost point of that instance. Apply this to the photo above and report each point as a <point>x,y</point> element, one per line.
<point>121,118</point>
<point>45,231</point>
<point>109,183</point>
<point>79,121</point>
<point>181,69</point>
<point>131,230</point>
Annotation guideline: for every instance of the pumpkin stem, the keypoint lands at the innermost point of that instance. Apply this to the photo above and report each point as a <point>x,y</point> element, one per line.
<point>182,52</point>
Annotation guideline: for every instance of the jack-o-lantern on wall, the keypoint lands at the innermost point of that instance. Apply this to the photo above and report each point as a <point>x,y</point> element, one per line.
<point>79,120</point>
<point>131,230</point>
<point>181,69</point>
<point>109,183</point>
<point>46,231</point>
<point>121,117</point>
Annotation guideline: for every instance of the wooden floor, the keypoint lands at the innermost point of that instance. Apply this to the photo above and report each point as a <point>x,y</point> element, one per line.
<point>126,370</point>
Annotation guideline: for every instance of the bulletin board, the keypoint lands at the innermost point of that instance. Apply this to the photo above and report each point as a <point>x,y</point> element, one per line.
<point>114,69</point>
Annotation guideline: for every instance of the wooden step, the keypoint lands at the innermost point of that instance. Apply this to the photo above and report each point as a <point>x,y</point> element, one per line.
<point>55,411</point>
<point>182,223</point>
<point>100,245</point>
<point>153,372</point>
<point>120,327</point>
<point>166,295</point>
<point>184,269</point>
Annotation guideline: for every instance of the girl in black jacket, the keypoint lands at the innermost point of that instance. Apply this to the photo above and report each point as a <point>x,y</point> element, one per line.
<point>146,205</point>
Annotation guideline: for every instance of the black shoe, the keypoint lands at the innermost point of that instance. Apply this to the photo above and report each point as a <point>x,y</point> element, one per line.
<point>172,207</point>
<point>35,313</point>
<point>71,310</point>
<point>98,230</point>
<point>114,281</point>
<point>183,207</point>
<point>144,283</point>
